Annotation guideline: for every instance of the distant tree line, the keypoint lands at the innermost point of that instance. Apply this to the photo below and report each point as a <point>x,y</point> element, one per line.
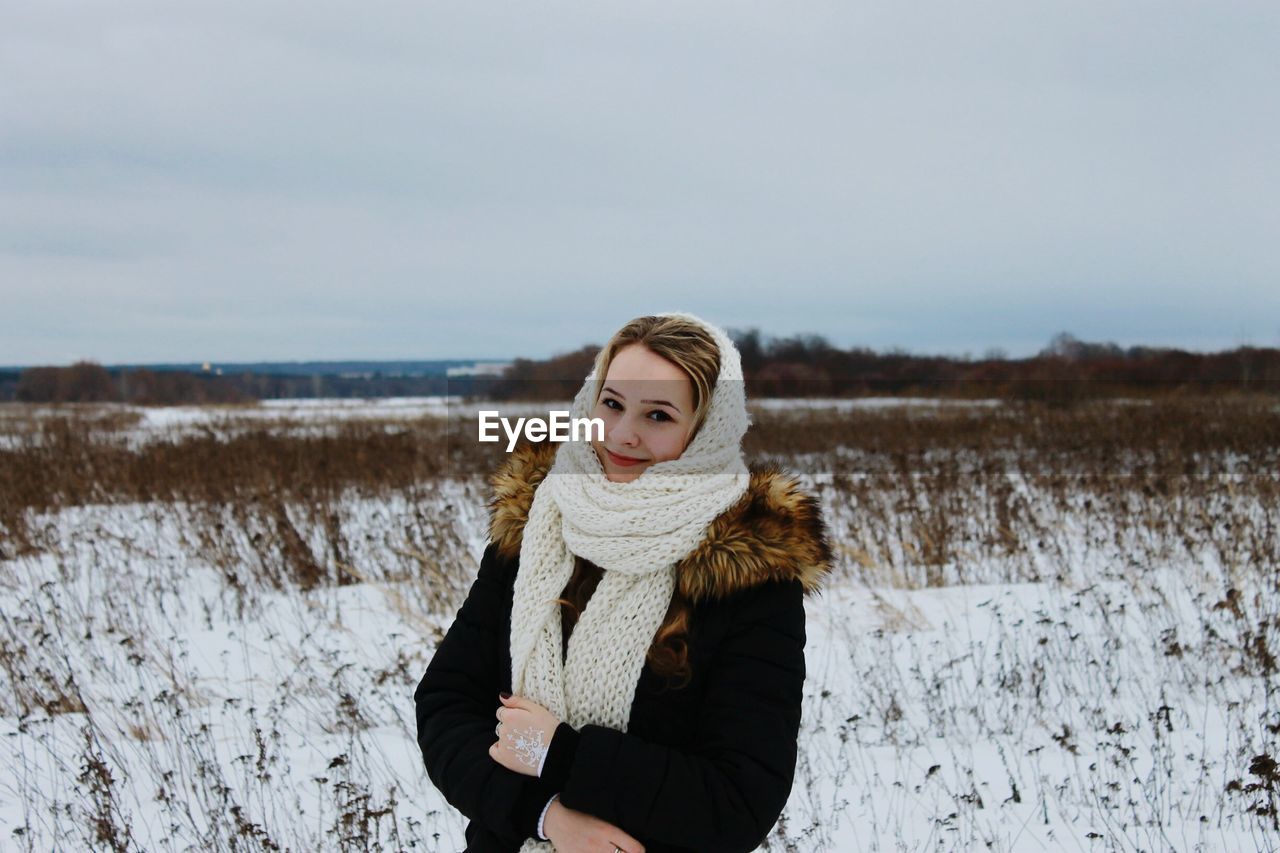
<point>9,384</point>
<point>88,382</point>
<point>1067,369</point>
<point>85,382</point>
<point>274,386</point>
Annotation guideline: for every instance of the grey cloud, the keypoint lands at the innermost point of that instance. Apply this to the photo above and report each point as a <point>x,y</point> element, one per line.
<point>387,181</point>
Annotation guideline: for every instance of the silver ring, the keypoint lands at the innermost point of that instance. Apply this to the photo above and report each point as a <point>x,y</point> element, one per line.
<point>495,729</point>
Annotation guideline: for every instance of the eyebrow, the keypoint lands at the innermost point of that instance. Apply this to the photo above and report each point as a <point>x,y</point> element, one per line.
<point>654,402</point>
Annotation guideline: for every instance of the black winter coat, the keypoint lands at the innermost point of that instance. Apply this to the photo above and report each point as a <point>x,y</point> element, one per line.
<point>707,767</point>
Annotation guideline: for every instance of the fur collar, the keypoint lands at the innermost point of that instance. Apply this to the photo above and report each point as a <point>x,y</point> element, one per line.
<point>775,532</point>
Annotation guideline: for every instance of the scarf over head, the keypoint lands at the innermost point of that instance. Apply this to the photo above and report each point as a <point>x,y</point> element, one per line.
<point>637,532</point>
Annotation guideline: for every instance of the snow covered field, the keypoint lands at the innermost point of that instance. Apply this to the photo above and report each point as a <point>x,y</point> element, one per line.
<point>143,424</point>
<point>160,693</point>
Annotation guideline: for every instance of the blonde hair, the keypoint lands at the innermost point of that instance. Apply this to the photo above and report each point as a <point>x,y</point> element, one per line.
<point>686,345</point>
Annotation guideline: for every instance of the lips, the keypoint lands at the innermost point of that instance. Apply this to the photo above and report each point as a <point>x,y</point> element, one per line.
<point>624,461</point>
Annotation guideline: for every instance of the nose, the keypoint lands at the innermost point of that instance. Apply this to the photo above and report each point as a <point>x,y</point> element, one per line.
<point>623,433</point>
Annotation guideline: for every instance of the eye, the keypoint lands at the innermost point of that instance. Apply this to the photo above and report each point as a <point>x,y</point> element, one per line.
<point>608,400</point>
<point>665,416</point>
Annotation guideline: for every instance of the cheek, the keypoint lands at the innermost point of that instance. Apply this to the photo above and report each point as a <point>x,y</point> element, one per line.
<point>668,446</point>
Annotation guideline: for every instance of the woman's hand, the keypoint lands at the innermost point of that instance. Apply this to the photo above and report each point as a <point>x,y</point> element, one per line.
<point>524,735</point>
<point>578,832</point>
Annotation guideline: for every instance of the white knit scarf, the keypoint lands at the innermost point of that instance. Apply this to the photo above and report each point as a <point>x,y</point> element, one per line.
<point>636,532</point>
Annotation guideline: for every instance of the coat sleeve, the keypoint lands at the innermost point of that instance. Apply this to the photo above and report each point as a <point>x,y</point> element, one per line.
<point>726,792</point>
<point>456,701</point>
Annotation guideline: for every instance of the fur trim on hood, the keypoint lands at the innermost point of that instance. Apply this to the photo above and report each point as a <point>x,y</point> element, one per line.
<point>774,532</point>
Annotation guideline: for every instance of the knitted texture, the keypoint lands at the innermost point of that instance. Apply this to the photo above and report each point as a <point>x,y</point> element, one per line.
<point>637,532</point>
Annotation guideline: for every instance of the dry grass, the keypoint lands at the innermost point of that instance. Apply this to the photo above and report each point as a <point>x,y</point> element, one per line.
<point>924,493</point>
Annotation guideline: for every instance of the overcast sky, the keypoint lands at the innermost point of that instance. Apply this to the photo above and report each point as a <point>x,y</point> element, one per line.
<point>243,180</point>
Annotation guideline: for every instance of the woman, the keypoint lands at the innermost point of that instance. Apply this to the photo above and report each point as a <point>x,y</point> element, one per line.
<point>642,598</point>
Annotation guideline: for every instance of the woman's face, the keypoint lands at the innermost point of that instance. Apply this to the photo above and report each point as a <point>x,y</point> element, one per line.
<point>646,403</point>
